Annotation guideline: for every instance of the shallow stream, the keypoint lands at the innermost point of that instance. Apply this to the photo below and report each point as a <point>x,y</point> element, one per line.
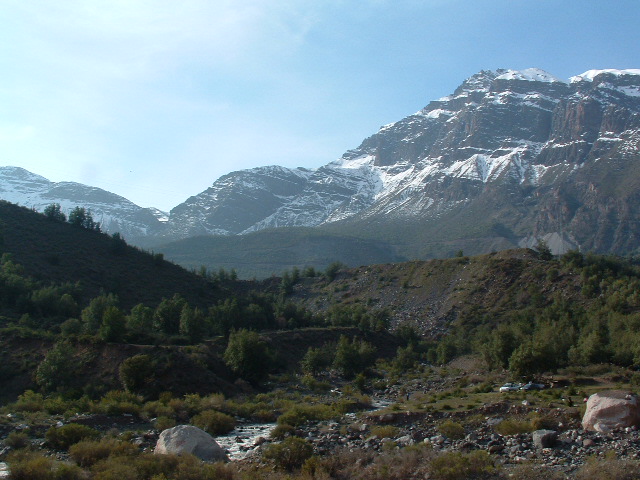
<point>242,440</point>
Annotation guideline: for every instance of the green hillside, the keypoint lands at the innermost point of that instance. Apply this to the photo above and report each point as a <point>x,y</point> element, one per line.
<point>56,252</point>
<point>270,252</point>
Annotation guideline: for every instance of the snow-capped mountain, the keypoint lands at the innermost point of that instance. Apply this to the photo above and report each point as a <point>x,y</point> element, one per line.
<point>509,157</point>
<point>508,145</point>
<point>115,213</point>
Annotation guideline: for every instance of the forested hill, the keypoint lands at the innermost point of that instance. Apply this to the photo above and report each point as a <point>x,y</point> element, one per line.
<point>54,252</point>
<point>522,309</point>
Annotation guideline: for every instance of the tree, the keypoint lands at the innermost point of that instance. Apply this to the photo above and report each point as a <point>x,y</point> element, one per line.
<point>247,355</point>
<point>140,321</point>
<point>56,369</point>
<point>353,357</point>
<point>192,323</point>
<point>92,315</point>
<point>54,212</point>
<point>80,217</point>
<point>113,326</point>
<point>167,314</point>
<point>405,358</point>
<point>332,270</point>
<point>316,360</point>
<point>543,250</point>
<point>527,359</point>
<point>136,373</point>
<point>118,244</point>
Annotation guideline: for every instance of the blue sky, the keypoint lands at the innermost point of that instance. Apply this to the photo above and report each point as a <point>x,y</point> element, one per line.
<point>156,99</point>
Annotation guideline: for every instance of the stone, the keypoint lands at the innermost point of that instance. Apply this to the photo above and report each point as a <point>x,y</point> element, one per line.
<point>190,439</point>
<point>587,442</point>
<point>610,410</point>
<point>544,438</point>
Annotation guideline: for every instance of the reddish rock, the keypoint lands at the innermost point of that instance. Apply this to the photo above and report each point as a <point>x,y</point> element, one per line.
<point>610,410</point>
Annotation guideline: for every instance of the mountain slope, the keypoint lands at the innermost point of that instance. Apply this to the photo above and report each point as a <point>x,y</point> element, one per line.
<point>261,254</point>
<point>57,253</point>
<point>115,213</point>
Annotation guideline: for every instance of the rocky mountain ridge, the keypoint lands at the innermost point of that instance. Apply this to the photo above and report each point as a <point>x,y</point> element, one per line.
<point>504,138</point>
<point>509,157</point>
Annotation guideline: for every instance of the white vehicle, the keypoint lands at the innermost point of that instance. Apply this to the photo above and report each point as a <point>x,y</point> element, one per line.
<point>510,387</point>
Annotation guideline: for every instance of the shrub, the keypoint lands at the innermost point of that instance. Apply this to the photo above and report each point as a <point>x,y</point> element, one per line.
<point>213,422</point>
<point>57,368</point>
<point>281,430</point>
<point>541,422</point>
<point>88,452</point>
<point>17,440</point>
<point>384,431</point>
<point>247,355</point>
<point>136,373</point>
<point>451,429</point>
<point>29,401</point>
<point>299,414</point>
<point>63,437</point>
<point>162,423</point>
<point>157,409</point>
<point>513,427</point>
<point>609,467</point>
<point>458,466</point>
<point>26,465</point>
<point>290,454</point>
<point>117,402</point>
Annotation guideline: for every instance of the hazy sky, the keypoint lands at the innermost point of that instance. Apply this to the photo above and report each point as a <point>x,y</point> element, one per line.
<point>155,100</point>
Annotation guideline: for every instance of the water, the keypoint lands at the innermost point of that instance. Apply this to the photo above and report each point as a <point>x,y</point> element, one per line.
<point>4,470</point>
<point>240,442</point>
<point>242,439</point>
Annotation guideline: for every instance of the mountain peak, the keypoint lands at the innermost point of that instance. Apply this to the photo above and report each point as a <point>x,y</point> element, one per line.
<point>590,75</point>
<point>15,173</point>
<point>531,75</point>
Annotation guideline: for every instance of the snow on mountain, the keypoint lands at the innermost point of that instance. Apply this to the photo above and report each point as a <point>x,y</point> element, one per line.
<point>115,213</point>
<point>513,141</point>
<point>589,75</point>
<point>530,74</point>
<point>517,130</point>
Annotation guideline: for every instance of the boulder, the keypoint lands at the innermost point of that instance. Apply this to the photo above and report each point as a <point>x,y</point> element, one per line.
<point>610,410</point>
<point>190,439</point>
<point>544,438</point>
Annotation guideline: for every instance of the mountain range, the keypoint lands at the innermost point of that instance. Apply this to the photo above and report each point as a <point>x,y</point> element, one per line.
<point>508,158</point>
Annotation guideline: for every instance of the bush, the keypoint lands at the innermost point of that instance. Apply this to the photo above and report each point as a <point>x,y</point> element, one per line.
<point>300,414</point>
<point>513,427</point>
<point>17,440</point>
<point>63,437</point>
<point>213,422</point>
<point>609,467</point>
<point>26,465</point>
<point>117,402</point>
<point>136,372</point>
<point>88,452</point>
<point>290,454</point>
<point>162,423</point>
<point>29,401</point>
<point>281,430</point>
<point>247,355</point>
<point>385,431</point>
<point>459,466</point>
<point>451,429</point>
<point>57,368</point>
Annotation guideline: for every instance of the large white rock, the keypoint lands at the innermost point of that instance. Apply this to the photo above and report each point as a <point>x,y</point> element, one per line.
<point>190,439</point>
<point>609,410</point>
